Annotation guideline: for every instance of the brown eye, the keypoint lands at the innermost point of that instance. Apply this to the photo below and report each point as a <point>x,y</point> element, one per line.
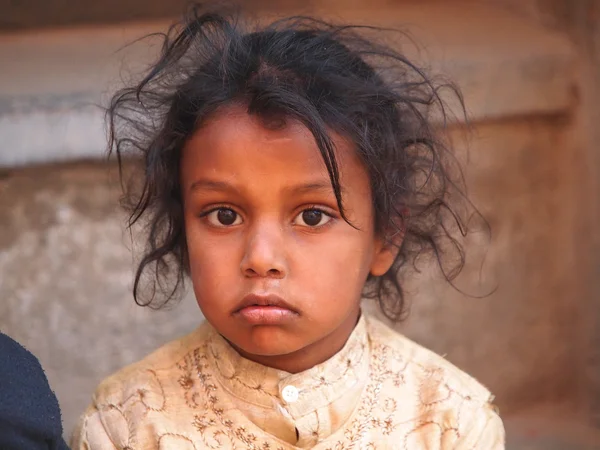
<point>226,216</point>
<point>223,217</point>
<point>312,218</point>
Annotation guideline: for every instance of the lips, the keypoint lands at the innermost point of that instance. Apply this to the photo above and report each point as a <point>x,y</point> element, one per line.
<point>265,301</point>
<point>270,310</point>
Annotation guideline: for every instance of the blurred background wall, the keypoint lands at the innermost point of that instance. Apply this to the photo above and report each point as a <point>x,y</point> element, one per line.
<point>529,71</point>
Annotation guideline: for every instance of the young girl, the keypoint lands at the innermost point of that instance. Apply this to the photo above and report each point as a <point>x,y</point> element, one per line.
<point>289,171</point>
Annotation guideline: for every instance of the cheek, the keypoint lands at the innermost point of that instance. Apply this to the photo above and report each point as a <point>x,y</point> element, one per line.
<point>339,263</point>
<point>212,278</point>
<point>211,260</point>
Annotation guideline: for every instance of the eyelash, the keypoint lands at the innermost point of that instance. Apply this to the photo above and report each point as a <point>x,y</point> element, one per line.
<point>212,209</point>
<point>323,211</point>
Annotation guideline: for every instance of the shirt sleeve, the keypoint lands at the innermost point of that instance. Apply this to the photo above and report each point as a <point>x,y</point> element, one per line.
<point>91,434</point>
<point>486,431</point>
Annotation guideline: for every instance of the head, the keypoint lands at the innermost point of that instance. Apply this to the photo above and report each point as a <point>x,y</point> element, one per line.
<point>285,176</point>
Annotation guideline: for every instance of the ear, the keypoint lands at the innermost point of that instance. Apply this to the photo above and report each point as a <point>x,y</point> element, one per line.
<point>387,246</point>
<point>385,253</point>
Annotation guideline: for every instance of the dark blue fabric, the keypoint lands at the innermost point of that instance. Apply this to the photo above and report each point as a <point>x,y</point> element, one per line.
<point>29,411</point>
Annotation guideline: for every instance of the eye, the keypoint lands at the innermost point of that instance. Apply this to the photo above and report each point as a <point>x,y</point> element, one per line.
<point>223,217</point>
<point>312,218</point>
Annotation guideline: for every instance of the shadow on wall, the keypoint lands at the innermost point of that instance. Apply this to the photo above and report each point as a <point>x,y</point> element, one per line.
<point>27,14</point>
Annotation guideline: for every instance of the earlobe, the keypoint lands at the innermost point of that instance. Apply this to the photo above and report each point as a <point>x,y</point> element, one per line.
<point>385,254</point>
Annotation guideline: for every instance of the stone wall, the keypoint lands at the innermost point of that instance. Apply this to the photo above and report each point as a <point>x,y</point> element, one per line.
<point>585,30</point>
<point>521,339</point>
<point>65,279</point>
<point>65,259</point>
<point>580,22</point>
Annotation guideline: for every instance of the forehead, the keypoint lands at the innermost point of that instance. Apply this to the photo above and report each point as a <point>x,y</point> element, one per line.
<point>234,143</point>
<point>234,127</point>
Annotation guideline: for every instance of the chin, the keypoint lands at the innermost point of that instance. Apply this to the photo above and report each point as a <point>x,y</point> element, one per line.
<point>266,351</point>
<point>264,341</point>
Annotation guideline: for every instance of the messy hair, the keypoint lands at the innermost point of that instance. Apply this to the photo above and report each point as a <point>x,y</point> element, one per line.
<point>330,78</point>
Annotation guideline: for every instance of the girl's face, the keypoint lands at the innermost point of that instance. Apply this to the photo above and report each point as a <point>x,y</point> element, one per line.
<point>274,267</point>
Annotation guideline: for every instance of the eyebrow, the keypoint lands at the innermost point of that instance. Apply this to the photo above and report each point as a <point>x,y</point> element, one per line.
<point>211,185</point>
<point>310,187</point>
<point>223,186</point>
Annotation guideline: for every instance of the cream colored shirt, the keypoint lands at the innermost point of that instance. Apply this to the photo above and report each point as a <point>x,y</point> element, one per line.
<point>381,391</point>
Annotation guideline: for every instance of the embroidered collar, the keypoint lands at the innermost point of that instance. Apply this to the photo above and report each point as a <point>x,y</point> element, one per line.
<point>296,394</point>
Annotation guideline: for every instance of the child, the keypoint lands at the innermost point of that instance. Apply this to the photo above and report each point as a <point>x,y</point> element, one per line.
<point>287,178</point>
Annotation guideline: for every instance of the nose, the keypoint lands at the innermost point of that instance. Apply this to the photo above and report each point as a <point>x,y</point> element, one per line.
<point>264,254</point>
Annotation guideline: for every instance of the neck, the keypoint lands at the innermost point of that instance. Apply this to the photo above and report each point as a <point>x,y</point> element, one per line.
<point>313,354</point>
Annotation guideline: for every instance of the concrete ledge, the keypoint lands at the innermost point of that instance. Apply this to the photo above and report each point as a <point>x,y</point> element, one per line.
<point>51,80</point>
<point>56,134</point>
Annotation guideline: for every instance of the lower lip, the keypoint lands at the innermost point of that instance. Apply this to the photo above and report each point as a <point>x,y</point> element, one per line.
<point>266,315</point>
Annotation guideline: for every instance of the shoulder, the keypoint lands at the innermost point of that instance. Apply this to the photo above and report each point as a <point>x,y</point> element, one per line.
<point>158,364</point>
<point>424,365</point>
<point>17,358</point>
<point>435,393</point>
<point>29,410</point>
<point>141,389</point>
<point>23,384</point>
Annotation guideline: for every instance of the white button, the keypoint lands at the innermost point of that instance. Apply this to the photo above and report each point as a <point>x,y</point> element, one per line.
<point>289,394</point>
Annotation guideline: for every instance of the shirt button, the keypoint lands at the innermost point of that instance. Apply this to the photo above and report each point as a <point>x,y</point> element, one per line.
<point>289,394</point>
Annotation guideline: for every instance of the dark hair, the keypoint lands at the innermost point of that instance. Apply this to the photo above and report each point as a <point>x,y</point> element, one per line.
<point>329,78</point>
